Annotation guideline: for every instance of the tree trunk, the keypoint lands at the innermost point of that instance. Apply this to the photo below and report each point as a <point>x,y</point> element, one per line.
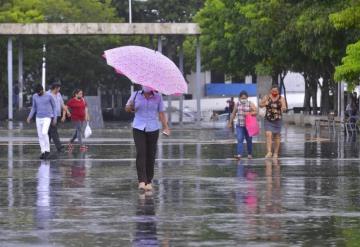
<point>282,86</point>
<point>307,95</point>
<point>274,79</point>
<point>313,95</point>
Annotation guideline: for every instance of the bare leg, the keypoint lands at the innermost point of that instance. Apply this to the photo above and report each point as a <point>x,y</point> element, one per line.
<point>268,144</point>
<point>276,145</point>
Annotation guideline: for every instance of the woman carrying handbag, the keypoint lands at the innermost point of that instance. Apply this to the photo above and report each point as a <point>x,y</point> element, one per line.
<point>79,116</point>
<point>242,109</point>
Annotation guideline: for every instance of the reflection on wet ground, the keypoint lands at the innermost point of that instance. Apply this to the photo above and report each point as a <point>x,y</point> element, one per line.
<point>202,197</point>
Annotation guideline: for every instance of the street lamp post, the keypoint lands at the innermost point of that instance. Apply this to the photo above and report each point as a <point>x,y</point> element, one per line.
<point>130,12</point>
<point>43,67</point>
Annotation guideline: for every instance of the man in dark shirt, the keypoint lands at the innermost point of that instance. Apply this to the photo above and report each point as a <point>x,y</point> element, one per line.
<point>230,107</point>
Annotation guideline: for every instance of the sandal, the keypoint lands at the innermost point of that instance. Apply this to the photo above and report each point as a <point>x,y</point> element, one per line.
<point>70,147</point>
<point>142,186</point>
<point>268,155</point>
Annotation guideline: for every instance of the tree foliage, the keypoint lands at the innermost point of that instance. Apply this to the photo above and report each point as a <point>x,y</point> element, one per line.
<point>349,19</point>
<point>273,37</point>
<point>75,61</point>
<point>159,10</point>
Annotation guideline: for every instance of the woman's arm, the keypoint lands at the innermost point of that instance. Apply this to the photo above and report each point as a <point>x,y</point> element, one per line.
<point>232,117</point>
<point>253,109</point>
<point>283,104</point>
<point>65,112</point>
<point>130,104</point>
<point>87,116</point>
<point>128,108</point>
<point>264,101</point>
<point>53,106</point>
<point>33,110</point>
<point>164,123</point>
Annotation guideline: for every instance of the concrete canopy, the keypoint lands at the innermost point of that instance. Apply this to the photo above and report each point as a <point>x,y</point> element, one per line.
<point>33,29</point>
<point>14,29</point>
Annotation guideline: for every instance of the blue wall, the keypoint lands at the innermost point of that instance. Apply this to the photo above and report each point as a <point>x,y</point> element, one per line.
<point>221,89</point>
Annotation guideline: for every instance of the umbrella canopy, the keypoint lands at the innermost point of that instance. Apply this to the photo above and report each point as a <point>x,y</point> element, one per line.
<point>148,68</point>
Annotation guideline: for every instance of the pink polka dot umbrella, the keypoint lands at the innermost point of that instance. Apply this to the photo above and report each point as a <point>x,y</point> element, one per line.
<point>148,68</point>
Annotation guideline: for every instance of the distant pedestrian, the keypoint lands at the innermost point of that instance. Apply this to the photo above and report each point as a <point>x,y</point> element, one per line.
<point>241,109</point>
<point>275,106</point>
<point>214,116</point>
<point>60,109</point>
<point>16,92</point>
<point>78,111</point>
<point>148,107</point>
<point>43,105</point>
<point>352,110</point>
<point>230,107</point>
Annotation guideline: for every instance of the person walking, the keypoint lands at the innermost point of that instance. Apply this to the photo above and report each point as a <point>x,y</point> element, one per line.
<point>242,108</point>
<point>60,108</point>
<point>275,105</point>
<point>78,111</point>
<point>148,107</point>
<point>43,105</point>
<point>230,107</point>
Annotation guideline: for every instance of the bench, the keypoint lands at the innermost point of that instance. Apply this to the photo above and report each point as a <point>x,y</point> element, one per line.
<point>329,120</point>
<point>351,125</point>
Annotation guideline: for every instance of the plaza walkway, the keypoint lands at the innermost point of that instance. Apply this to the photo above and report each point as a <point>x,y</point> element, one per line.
<point>202,197</point>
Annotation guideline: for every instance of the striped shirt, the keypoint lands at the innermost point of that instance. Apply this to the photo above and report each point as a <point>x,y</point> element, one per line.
<point>242,110</point>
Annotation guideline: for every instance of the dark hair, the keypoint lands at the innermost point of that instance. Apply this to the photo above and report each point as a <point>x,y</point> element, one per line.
<point>242,93</point>
<point>76,91</point>
<point>276,86</point>
<point>38,88</point>
<point>55,85</point>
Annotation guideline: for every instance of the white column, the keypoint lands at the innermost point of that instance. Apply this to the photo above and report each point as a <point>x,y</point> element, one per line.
<point>159,44</point>
<point>130,12</point>
<point>198,86</point>
<point>160,155</point>
<point>168,97</point>
<point>10,79</point>
<point>21,75</point>
<point>43,82</point>
<point>10,171</point>
<point>169,110</point>
<point>181,67</point>
<point>99,93</point>
<point>342,101</point>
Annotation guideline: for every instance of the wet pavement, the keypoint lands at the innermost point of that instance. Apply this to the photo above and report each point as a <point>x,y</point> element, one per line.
<point>202,197</point>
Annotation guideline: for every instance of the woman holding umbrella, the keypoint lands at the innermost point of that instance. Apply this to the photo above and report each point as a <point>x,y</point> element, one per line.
<point>148,107</point>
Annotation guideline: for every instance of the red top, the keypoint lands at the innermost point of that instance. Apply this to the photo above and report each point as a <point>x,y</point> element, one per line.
<point>77,108</point>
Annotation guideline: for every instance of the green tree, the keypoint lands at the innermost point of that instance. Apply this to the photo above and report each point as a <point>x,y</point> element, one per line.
<point>322,44</point>
<point>273,37</point>
<point>222,39</point>
<point>349,19</point>
<point>76,61</point>
<point>159,10</point>
<point>153,11</point>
